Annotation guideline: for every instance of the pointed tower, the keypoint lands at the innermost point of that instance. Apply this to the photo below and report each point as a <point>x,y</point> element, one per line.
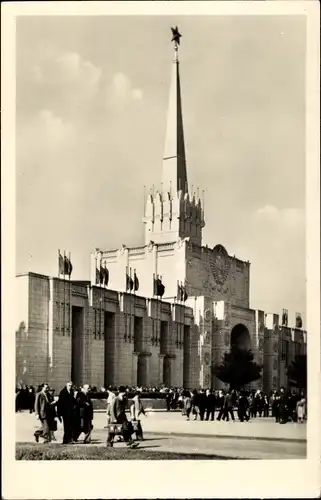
<point>174,175</point>
<point>172,212</point>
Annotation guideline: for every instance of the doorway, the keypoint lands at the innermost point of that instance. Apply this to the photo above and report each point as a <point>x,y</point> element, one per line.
<point>186,356</point>
<point>77,342</point>
<point>109,354</point>
<point>167,371</point>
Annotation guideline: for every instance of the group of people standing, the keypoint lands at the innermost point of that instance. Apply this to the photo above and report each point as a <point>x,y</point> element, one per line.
<point>73,408</point>
<point>204,404</point>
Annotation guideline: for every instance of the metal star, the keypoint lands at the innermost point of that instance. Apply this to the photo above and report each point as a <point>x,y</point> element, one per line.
<point>176,35</point>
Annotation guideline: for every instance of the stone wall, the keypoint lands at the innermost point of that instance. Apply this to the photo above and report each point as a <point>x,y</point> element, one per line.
<point>103,337</point>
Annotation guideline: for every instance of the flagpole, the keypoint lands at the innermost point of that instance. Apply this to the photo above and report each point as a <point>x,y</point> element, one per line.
<point>180,316</point>
<point>179,313</point>
<point>134,299</point>
<point>160,316</point>
<point>130,304</point>
<point>183,314</point>
<point>63,324</point>
<point>70,308</point>
<point>125,306</point>
<point>59,294</point>
<point>100,302</point>
<point>156,324</point>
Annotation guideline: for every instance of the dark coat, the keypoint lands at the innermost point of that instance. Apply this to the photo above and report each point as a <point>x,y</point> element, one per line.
<point>42,406</point>
<point>211,401</point>
<point>85,407</point>
<point>117,411</point>
<point>66,404</point>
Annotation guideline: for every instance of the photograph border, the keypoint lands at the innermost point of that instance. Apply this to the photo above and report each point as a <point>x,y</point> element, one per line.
<point>206,479</point>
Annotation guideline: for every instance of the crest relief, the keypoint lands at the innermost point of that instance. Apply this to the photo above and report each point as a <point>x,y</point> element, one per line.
<point>220,264</point>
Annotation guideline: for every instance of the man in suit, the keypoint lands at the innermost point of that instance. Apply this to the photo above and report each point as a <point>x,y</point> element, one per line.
<point>118,416</point>
<point>228,407</point>
<point>210,404</point>
<point>66,409</point>
<point>202,403</point>
<point>43,413</point>
<point>220,404</point>
<point>85,415</point>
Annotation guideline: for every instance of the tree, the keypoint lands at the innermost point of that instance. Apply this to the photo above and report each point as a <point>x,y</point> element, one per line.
<point>297,372</point>
<point>237,368</point>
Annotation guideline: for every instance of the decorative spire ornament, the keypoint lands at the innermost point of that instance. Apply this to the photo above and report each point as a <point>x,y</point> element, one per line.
<point>176,37</point>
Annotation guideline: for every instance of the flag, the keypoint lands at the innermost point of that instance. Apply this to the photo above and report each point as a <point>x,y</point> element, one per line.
<point>159,288</point>
<point>102,276</point>
<point>67,267</point>
<point>184,294</point>
<point>106,275</point>
<point>136,282</point>
<point>61,263</point>
<point>129,282</point>
<point>179,292</point>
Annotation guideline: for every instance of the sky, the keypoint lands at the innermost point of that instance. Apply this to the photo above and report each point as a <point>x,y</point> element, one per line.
<point>91,104</point>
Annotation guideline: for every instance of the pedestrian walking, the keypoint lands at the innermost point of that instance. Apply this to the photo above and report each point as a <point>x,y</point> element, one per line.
<point>111,396</point>
<point>243,406</point>
<point>187,404</point>
<point>210,405</point>
<point>220,404</point>
<point>228,407</point>
<point>66,410</point>
<point>202,403</point>
<point>118,416</point>
<point>44,414</point>
<point>85,415</point>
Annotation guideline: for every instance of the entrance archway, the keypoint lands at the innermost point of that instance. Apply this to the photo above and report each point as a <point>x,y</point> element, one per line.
<point>240,337</point>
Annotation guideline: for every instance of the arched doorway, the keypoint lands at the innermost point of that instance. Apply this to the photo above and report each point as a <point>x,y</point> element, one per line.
<point>240,337</point>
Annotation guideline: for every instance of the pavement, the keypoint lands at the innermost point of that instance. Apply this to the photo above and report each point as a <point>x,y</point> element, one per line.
<point>261,438</point>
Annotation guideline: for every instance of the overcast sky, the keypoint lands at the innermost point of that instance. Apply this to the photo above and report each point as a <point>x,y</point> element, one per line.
<point>92,96</point>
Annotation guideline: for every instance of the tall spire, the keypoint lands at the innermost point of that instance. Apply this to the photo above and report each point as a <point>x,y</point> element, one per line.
<point>174,175</point>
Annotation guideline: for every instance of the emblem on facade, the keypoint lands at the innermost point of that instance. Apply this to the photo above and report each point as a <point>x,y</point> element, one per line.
<point>207,315</point>
<point>220,264</point>
<point>207,358</point>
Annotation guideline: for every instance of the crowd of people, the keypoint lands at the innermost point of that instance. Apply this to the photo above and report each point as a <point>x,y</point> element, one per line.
<point>74,408</point>
<point>282,406</point>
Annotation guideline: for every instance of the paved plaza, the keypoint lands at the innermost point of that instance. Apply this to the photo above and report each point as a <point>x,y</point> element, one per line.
<point>261,438</point>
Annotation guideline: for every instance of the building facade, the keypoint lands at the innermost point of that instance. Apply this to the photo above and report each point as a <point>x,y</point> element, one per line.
<point>172,308</point>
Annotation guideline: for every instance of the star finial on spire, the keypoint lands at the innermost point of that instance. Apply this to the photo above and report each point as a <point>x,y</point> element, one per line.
<point>176,36</point>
